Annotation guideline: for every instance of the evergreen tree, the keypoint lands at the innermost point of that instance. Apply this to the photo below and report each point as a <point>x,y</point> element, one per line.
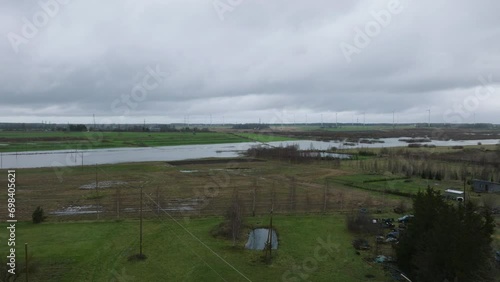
<point>446,242</point>
<point>38,215</point>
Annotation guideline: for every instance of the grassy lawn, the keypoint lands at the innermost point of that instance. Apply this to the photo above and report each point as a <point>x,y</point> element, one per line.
<point>99,251</point>
<point>42,141</point>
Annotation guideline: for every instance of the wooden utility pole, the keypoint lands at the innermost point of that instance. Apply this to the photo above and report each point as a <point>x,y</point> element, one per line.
<point>140,233</point>
<point>292,192</point>
<point>118,199</point>
<point>254,195</point>
<point>269,244</point>
<point>157,199</point>
<point>97,192</point>
<point>324,196</point>
<point>465,195</point>
<point>26,259</point>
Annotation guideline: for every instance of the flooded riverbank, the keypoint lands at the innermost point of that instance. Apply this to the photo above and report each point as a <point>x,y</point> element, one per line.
<point>187,152</point>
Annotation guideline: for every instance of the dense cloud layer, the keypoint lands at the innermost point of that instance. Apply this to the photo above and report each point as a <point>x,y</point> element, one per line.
<point>242,60</point>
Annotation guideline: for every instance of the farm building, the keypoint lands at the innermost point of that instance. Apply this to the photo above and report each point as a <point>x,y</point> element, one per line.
<point>454,194</point>
<point>483,186</point>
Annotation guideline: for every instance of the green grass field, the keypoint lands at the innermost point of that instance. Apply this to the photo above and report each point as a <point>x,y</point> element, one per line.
<point>264,138</point>
<point>99,251</point>
<point>43,141</point>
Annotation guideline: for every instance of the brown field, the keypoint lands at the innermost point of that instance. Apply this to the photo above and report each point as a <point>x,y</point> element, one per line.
<point>434,133</point>
<point>191,189</point>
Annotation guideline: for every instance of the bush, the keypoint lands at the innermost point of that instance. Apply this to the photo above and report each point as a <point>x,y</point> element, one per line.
<point>361,244</point>
<point>401,207</point>
<point>38,215</point>
<point>361,223</point>
<point>366,153</point>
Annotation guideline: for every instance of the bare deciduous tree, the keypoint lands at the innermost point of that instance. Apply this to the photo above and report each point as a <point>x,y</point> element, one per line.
<point>235,217</point>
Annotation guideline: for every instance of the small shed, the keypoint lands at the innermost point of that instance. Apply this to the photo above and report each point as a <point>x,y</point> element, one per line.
<point>483,186</point>
<point>452,194</point>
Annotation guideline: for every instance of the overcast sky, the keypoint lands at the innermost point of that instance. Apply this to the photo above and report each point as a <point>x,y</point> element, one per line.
<point>245,60</point>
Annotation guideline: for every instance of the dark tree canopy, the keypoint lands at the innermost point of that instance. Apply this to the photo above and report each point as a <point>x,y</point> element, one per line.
<point>446,242</point>
<point>38,215</point>
<point>77,127</point>
<point>251,126</point>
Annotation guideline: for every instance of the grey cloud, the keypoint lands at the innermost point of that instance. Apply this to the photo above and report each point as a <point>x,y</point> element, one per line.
<point>265,57</point>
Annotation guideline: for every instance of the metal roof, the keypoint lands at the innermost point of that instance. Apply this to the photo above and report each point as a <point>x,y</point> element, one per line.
<point>454,191</point>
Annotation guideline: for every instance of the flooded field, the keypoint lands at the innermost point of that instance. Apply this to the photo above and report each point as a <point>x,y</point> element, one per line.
<point>188,152</point>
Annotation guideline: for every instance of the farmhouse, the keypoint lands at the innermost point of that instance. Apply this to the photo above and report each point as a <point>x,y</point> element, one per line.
<point>483,186</point>
<point>456,195</point>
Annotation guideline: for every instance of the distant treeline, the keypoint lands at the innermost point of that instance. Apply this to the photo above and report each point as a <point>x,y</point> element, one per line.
<point>458,125</point>
<point>134,127</point>
<point>98,127</point>
<point>251,126</point>
<point>289,153</point>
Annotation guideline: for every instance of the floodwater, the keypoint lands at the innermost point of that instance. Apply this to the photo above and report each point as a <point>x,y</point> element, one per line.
<point>102,184</point>
<point>257,239</point>
<point>68,158</point>
<point>77,210</point>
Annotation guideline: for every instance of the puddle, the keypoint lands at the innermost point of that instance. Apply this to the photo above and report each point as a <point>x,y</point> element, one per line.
<point>189,204</point>
<point>189,171</point>
<point>184,207</point>
<point>169,208</point>
<point>102,184</point>
<point>257,239</point>
<point>77,210</point>
<point>233,170</point>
